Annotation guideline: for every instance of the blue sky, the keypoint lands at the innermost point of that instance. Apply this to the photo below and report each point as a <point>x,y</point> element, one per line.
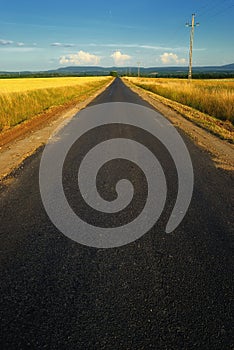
<point>49,34</point>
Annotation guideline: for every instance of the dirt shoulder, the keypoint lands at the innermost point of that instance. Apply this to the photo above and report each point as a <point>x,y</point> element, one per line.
<point>23,140</point>
<point>221,151</point>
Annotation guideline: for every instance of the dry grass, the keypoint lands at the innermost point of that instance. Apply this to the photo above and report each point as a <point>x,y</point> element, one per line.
<point>22,99</point>
<point>213,97</point>
<point>224,129</point>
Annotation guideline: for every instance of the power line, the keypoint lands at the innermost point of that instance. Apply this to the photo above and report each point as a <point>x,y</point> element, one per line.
<point>208,7</point>
<point>222,10</point>
<point>216,6</point>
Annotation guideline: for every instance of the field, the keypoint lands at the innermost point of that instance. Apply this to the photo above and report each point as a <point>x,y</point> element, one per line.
<point>22,99</point>
<point>213,97</point>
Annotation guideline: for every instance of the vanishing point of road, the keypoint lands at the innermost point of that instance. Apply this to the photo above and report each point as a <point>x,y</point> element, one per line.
<point>163,291</point>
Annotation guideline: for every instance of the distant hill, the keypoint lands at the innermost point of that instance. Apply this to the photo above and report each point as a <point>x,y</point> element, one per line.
<point>209,71</point>
<point>143,70</point>
<point>225,68</point>
<point>228,66</point>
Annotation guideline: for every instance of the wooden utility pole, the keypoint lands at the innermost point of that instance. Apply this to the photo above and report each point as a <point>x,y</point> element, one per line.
<point>138,63</point>
<point>192,25</point>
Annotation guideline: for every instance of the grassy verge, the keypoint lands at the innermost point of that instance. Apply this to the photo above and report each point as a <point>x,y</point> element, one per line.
<point>22,99</point>
<point>221,127</point>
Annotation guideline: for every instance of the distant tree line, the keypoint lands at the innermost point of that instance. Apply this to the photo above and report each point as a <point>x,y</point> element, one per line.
<point>47,75</point>
<point>181,75</point>
<point>214,75</point>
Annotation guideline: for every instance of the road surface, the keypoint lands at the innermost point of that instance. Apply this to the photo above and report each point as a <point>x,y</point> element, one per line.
<point>163,291</point>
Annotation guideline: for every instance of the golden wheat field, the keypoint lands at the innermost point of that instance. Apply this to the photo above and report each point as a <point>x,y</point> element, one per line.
<point>22,99</point>
<point>214,97</point>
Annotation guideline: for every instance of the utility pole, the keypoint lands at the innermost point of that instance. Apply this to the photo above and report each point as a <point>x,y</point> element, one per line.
<point>138,63</point>
<point>192,25</point>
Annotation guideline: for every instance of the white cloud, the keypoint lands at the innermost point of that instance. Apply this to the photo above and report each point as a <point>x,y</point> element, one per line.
<point>171,58</point>
<point>20,49</point>
<point>56,44</point>
<point>80,58</point>
<point>5,42</point>
<point>120,58</point>
<point>20,44</point>
<point>140,46</point>
<point>62,45</point>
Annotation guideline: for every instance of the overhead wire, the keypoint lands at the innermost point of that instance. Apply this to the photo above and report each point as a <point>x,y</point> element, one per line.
<point>222,10</point>
<point>216,8</point>
<point>208,7</point>
<point>211,8</point>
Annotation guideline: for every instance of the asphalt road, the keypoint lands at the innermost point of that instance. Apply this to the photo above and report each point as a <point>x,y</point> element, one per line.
<point>163,291</point>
